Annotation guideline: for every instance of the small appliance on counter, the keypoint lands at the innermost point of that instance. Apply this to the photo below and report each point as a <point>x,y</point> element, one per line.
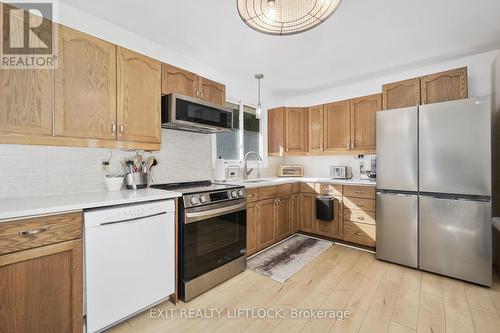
<point>220,170</point>
<point>291,171</point>
<point>340,172</point>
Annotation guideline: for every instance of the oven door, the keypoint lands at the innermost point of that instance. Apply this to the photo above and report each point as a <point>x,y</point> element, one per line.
<point>211,237</point>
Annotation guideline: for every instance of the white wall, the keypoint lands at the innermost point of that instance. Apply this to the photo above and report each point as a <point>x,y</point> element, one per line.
<point>319,166</point>
<point>478,69</point>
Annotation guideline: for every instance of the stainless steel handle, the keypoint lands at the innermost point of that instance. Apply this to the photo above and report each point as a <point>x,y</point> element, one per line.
<point>28,233</point>
<point>359,205</point>
<point>197,93</point>
<point>133,219</point>
<point>203,215</point>
<point>359,192</point>
<point>113,127</point>
<point>201,94</point>
<point>347,145</point>
<point>361,218</point>
<point>321,147</point>
<point>121,129</point>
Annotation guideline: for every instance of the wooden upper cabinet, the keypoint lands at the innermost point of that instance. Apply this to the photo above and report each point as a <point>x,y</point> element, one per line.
<point>139,97</point>
<point>337,126</point>
<point>85,86</point>
<point>276,131</point>
<point>177,80</point>
<point>295,130</point>
<point>315,131</point>
<point>363,122</point>
<point>212,91</point>
<point>401,94</point>
<point>26,95</point>
<point>444,86</point>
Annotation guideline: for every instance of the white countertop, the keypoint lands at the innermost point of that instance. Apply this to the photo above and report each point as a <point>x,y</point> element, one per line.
<point>271,181</point>
<point>12,208</point>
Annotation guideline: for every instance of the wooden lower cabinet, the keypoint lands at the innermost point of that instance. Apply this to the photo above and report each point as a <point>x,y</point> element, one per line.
<point>283,220</point>
<point>294,212</point>
<point>308,212</point>
<point>266,230</point>
<point>252,221</point>
<point>331,228</point>
<point>359,233</point>
<point>42,289</point>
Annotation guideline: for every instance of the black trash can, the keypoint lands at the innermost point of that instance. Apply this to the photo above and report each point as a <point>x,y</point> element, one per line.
<point>325,207</point>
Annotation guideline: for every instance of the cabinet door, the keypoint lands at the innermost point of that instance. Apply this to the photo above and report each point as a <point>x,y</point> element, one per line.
<point>295,130</point>
<point>401,94</point>
<point>308,212</point>
<point>283,220</point>
<point>251,228</point>
<point>26,95</point>
<point>266,230</point>
<point>44,283</point>
<point>337,126</point>
<point>294,212</point>
<point>315,131</point>
<point>444,86</point>
<point>177,80</point>
<point>85,86</point>
<point>330,228</point>
<point>276,131</point>
<point>212,91</point>
<point>139,97</point>
<point>363,122</point>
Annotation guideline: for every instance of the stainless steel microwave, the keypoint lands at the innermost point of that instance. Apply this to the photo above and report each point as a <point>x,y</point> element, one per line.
<point>194,115</point>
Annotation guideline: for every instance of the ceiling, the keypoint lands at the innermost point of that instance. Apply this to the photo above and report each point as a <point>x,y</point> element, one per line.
<point>361,40</point>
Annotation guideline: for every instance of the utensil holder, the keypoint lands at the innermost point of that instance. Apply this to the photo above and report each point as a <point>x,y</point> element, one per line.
<point>139,178</point>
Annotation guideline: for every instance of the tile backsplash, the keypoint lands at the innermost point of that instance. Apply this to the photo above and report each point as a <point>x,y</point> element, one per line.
<point>43,170</point>
<point>319,166</point>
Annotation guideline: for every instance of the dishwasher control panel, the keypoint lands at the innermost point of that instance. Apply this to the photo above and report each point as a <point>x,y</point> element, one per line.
<point>100,216</point>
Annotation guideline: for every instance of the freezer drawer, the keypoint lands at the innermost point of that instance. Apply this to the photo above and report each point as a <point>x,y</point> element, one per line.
<point>397,149</point>
<point>455,147</point>
<point>397,231</point>
<point>455,238</point>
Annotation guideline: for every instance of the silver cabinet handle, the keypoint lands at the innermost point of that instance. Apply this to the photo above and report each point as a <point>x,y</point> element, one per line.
<point>361,218</point>
<point>28,233</point>
<point>121,129</point>
<point>359,192</point>
<point>113,127</point>
<point>201,93</point>
<point>347,145</point>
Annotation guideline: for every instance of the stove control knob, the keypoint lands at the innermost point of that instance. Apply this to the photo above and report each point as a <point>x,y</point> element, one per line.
<point>203,198</point>
<point>234,194</point>
<point>241,193</point>
<point>193,200</point>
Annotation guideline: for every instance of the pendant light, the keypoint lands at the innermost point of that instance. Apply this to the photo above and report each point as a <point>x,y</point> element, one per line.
<point>258,110</point>
<point>285,17</point>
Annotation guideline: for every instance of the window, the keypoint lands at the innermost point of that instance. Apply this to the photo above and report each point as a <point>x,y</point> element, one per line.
<point>245,136</point>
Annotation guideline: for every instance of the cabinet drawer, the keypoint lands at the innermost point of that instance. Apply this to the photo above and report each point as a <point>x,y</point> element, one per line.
<point>359,233</point>
<point>267,192</point>
<point>367,205</point>
<point>34,232</point>
<point>355,215</point>
<point>296,188</point>
<point>329,189</point>
<point>307,188</point>
<point>366,192</point>
<point>252,194</point>
<point>284,189</point>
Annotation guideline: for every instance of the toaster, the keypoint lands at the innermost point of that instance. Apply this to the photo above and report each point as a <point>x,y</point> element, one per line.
<point>291,171</point>
<point>340,172</point>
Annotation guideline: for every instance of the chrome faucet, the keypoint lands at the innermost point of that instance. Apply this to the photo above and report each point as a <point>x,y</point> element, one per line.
<point>247,172</point>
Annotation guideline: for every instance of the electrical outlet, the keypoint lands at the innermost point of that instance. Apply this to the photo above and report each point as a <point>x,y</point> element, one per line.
<point>105,166</point>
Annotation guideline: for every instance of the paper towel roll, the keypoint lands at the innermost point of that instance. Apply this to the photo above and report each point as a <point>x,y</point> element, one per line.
<point>220,169</point>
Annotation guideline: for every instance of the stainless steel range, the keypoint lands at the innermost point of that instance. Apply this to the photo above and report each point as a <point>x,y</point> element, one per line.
<point>212,234</point>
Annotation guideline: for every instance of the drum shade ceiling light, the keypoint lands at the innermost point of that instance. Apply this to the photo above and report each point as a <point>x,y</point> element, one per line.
<point>285,17</point>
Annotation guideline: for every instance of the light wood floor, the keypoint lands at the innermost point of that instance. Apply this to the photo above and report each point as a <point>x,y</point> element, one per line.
<point>381,297</point>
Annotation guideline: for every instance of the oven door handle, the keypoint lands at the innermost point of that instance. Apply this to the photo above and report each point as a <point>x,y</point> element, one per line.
<point>198,216</point>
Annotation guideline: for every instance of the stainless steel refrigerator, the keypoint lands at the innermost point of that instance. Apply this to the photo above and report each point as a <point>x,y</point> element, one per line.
<point>434,188</point>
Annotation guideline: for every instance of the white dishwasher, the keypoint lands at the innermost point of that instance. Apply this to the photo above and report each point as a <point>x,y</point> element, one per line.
<point>129,260</point>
